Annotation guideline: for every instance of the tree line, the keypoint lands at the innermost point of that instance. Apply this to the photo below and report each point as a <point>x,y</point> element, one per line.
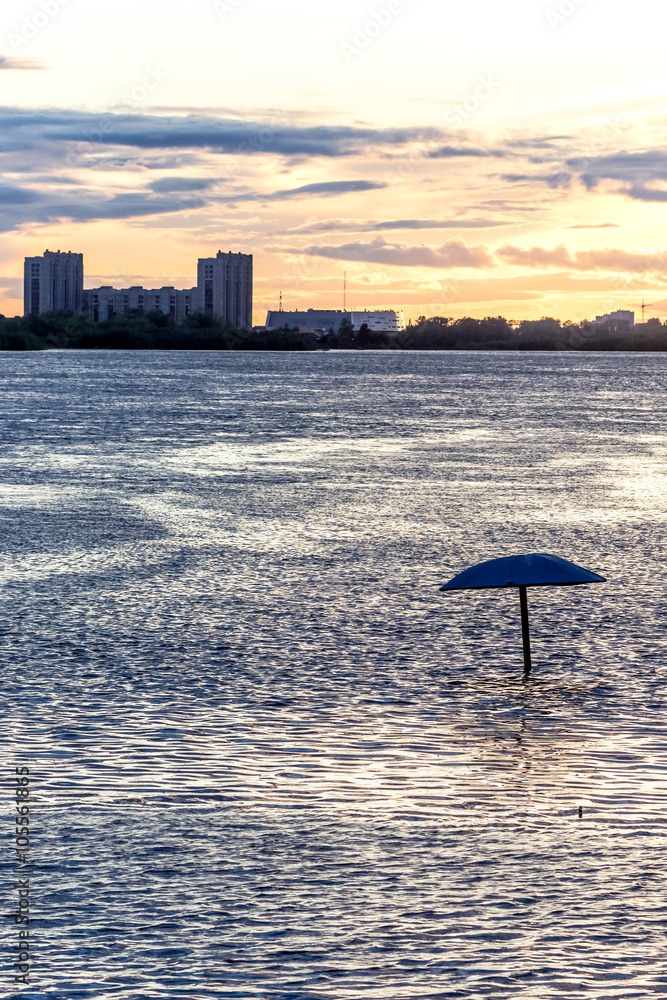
<point>134,331</point>
<point>200,332</point>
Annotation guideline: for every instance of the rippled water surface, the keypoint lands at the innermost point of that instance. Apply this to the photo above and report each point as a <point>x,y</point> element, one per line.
<point>269,758</point>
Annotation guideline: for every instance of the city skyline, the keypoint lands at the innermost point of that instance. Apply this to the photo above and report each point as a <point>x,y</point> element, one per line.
<point>519,170</point>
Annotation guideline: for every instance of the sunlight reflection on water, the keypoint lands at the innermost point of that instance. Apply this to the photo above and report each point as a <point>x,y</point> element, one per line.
<point>269,758</point>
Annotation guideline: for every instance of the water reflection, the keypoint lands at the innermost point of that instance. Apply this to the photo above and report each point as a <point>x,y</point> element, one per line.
<point>270,759</point>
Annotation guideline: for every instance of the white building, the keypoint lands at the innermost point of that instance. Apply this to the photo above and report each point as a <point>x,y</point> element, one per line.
<point>378,321</point>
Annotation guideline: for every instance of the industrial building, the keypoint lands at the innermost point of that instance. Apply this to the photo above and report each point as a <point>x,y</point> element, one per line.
<point>378,321</point>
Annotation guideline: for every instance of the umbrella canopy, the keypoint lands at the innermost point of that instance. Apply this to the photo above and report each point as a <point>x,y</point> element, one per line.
<point>534,570</point>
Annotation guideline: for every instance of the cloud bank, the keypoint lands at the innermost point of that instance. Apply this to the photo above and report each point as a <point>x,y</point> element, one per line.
<point>22,128</point>
<point>454,253</point>
<point>379,226</point>
<point>608,259</point>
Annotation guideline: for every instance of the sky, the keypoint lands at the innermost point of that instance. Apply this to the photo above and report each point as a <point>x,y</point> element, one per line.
<point>453,159</point>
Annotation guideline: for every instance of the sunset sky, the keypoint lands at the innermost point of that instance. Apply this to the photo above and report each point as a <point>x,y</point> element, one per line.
<point>455,159</point>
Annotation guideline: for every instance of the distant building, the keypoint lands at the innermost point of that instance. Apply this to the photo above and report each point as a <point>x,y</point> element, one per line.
<point>104,302</point>
<point>224,288</point>
<point>379,321</point>
<point>619,320</point>
<point>52,283</point>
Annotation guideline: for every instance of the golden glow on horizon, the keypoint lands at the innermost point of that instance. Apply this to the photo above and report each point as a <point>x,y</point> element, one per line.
<point>537,98</point>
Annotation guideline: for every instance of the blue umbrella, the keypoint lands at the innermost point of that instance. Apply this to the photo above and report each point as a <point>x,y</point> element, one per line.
<point>534,570</point>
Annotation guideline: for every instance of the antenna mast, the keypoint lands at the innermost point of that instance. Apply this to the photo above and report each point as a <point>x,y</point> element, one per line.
<point>344,291</point>
<point>281,302</point>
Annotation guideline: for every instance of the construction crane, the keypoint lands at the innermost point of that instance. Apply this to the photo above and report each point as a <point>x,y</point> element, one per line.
<point>645,307</point>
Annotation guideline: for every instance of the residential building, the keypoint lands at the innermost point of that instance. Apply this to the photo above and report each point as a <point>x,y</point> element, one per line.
<point>53,282</point>
<point>224,288</point>
<point>102,303</point>
<point>618,320</point>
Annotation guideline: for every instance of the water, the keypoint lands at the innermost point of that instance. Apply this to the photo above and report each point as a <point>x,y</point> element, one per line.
<point>268,758</point>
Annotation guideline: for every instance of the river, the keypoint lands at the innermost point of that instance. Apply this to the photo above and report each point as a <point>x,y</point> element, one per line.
<point>268,758</point>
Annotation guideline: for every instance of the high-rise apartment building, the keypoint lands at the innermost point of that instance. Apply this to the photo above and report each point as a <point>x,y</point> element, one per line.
<point>224,288</point>
<point>53,282</point>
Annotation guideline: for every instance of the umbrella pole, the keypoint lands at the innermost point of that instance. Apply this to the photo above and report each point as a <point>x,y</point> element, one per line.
<point>525,628</point>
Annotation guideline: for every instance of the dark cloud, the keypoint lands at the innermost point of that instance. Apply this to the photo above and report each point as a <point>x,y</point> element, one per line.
<point>171,161</point>
<point>637,172</point>
<point>324,189</point>
<point>649,165</point>
<point>57,179</point>
<point>12,195</point>
<point>454,253</point>
<point>169,185</point>
<point>164,196</point>
<point>9,62</point>
<point>640,192</point>
<point>436,224</point>
<point>122,206</point>
<point>21,128</point>
<point>447,152</point>
<point>26,207</point>
<point>561,179</point>
<point>377,226</point>
<point>540,142</point>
